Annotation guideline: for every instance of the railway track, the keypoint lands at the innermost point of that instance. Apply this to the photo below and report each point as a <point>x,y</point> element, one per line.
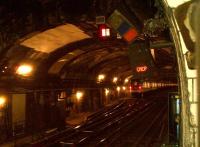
<point>108,126</point>
<point>141,123</point>
<point>149,130</point>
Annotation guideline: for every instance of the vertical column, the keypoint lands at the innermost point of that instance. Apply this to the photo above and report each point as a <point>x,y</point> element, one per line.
<point>18,113</point>
<point>197,28</point>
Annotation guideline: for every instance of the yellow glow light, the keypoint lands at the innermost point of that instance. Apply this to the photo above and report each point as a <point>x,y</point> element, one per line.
<point>107,91</point>
<point>79,95</point>
<point>124,88</point>
<point>118,88</point>
<point>126,81</point>
<point>101,77</point>
<point>24,70</point>
<point>2,100</point>
<point>115,79</point>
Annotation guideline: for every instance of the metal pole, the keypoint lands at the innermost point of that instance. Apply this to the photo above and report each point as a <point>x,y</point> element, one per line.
<point>197,30</point>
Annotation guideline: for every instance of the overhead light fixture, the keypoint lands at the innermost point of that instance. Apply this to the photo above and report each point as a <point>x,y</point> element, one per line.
<point>24,70</point>
<point>79,95</point>
<point>101,77</point>
<point>124,88</point>
<point>2,101</point>
<point>115,79</point>
<point>126,80</point>
<point>107,91</point>
<point>118,88</point>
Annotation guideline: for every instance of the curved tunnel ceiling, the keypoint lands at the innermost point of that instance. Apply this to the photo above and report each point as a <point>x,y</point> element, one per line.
<point>70,46</point>
<point>54,38</point>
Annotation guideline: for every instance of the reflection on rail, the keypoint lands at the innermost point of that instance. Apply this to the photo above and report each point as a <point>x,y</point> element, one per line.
<point>138,122</point>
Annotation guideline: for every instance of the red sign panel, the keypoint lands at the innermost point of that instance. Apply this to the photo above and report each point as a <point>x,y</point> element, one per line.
<point>141,68</point>
<point>104,31</point>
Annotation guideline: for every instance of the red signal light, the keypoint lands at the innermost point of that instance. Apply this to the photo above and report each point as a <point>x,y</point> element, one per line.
<point>140,87</point>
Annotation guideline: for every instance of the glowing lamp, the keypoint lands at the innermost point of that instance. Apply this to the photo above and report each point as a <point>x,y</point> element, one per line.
<point>101,77</point>
<point>24,70</point>
<point>126,81</point>
<point>2,101</point>
<point>79,95</point>
<point>118,88</point>
<point>115,79</point>
<point>107,92</point>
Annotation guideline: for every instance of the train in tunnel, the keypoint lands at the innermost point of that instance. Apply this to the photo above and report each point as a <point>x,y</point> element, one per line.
<point>136,88</point>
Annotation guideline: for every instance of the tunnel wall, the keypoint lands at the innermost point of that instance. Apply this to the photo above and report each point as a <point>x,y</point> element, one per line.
<point>187,86</point>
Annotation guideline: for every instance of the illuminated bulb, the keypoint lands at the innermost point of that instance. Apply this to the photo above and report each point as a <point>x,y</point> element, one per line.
<point>2,100</point>
<point>118,88</point>
<point>101,77</point>
<point>79,95</point>
<point>126,81</point>
<point>115,79</point>
<point>107,32</point>
<point>103,31</point>
<point>124,88</point>
<point>24,70</point>
<point>107,91</point>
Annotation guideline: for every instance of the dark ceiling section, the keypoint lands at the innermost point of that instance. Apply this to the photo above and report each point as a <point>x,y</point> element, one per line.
<point>92,59</point>
<point>83,59</point>
<point>96,56</point>
<point>117,54</point>
<point>111,66</point>
<point>164,58</point>
<point>19,18</point>
<point>143,10</point>
<point>59,53</point>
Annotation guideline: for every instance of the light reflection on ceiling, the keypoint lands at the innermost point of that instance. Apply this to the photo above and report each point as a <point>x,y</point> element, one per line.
<point>57,66</point>
<point>52,39</point>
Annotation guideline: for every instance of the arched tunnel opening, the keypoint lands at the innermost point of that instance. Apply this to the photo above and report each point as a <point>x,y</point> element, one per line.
<point>95,73</point>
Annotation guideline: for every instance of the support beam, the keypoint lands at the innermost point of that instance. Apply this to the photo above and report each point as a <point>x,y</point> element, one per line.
<point>159,45</point>
<point>197,28</point>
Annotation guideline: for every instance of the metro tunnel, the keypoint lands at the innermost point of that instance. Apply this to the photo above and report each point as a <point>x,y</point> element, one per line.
<point>98,73</point>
